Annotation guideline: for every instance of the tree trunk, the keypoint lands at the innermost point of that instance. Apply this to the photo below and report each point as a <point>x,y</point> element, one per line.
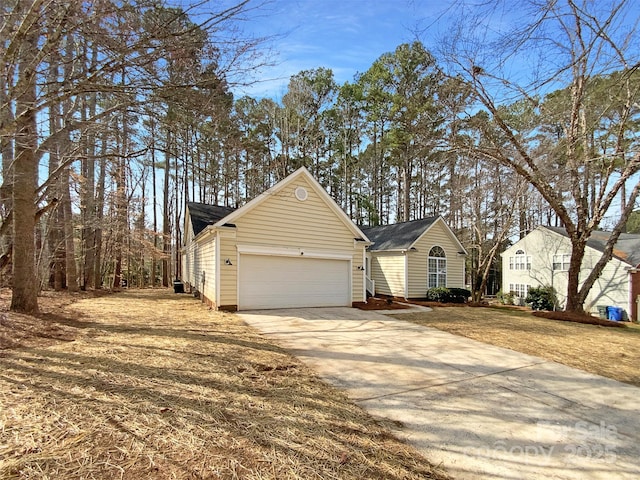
<point>6,145</point>
<point>176,207</point>
<point>154,266</point>
<point>87,202</point>
<point>24,297</point>
<point>70,257</point>
<point>55,235</point>
<point>574,304</point>
<point>142,229</point>
<point>121,210</point>
<point>68,230</point>
<point>100,195</point>
<point>56,243</point>
<point>166,221</point>
<point>406,192</point>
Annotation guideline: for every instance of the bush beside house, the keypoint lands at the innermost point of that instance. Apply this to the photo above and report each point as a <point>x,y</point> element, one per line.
<point>542,298</point>
<point>448,295</point>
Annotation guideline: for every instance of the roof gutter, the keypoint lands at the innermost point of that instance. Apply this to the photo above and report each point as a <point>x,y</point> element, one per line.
<point>362,241</point>
<point>395,250</point>
<point>211,230</point>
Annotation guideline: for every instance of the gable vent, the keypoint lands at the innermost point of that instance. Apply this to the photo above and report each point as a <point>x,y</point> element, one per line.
<point>301,193</point>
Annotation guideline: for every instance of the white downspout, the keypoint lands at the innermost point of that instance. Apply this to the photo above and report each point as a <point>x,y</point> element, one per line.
<point>217,269</point>
<point>364,274</point>
<point>406,274</point>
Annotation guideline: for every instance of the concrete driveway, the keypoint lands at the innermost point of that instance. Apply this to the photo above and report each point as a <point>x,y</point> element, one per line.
<point>480,411</point>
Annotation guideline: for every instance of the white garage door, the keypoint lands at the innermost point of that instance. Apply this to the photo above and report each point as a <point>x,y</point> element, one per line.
<point>290,282</point>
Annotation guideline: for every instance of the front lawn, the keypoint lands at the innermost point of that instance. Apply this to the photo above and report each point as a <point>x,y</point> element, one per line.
<point>610,352</point>
<point>152,385</point>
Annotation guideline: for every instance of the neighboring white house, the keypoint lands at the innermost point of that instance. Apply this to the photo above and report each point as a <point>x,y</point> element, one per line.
<point>542,258</point>
<point>292,246</point>
<point>408,258</point>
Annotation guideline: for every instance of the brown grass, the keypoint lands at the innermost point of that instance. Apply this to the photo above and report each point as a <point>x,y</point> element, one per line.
<point>579,318</point>
<point>157,386</point>
<point>610,352</point>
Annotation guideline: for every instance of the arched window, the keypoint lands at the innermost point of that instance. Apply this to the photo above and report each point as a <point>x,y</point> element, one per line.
<point>437,267</point>
<point>521,261</point>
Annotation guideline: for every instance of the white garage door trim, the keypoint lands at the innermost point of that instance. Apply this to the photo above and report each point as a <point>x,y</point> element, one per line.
<point>290,252</point>
<point>290,282</point>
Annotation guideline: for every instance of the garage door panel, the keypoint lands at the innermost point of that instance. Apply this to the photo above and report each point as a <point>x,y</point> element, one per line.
<point>289,282</point>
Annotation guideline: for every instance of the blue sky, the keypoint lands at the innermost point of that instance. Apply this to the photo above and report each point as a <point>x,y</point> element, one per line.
<point>344,35</point>
<point>347,36</point>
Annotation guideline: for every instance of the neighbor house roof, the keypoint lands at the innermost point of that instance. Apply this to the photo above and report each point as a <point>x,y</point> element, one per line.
<point>399,236</point>
<point>627,248</point>
<point>203,215</point>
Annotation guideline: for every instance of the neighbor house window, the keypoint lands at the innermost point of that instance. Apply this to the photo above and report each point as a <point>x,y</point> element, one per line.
<point>521,261</point>
<point>561,261</point>
<point>437,267</point>
<point>519,289</point>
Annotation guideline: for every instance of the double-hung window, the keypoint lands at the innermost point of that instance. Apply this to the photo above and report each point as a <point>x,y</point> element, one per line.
<point>561,261</point>
<point>519,289</point>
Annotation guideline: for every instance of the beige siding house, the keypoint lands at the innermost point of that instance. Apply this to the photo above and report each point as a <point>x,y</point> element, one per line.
<point>542,258</point>
<point>290,247</point>
<point>406,259</point>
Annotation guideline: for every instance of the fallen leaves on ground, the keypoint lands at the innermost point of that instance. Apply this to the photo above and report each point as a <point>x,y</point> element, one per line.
<point>154,385</point>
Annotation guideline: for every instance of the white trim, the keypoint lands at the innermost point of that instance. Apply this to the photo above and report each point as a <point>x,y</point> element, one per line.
<point>449,231</point>
<point>350,269</point>
<point>357,242</point>
<point>446,271</point>
<point>630,293</point>
<point>248,250</point>
<point>217,269</point>
<point>213,230</point>
<point>290,252</point>
<point>301,193</point>
<point>206,232</point>
<point>231,218</point>
<point>554,257</point>
<point>364,275</point>
<point>187,237</point>
<point>464,274</point>
<point>406,276</point>
<point>238,281</point>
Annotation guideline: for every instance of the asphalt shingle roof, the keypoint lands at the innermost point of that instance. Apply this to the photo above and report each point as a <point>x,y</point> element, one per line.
<point>203,215</point>
<point>399,236</point>
<point>627,249</point>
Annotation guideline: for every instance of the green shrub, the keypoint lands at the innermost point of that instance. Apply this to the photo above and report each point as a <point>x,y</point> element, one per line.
<point>448,295</point>
<point>542,298</point>
<point>438,294</point>
<point>505,298</point>
<point>459,295</point>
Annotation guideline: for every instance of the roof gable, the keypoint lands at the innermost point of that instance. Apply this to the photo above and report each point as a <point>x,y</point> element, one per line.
<point>403,236</point>
<point>233,216</point>
<point>519,244</point>
<point>398,236</point>
<point>626,249</point>
<point>202,215</point>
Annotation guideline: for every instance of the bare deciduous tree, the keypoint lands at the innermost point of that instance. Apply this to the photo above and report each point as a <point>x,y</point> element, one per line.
<point>572,45</point>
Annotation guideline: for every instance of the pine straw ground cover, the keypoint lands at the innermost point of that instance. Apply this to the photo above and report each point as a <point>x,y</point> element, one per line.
<point>155,386</point>
<point>610,352</point>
